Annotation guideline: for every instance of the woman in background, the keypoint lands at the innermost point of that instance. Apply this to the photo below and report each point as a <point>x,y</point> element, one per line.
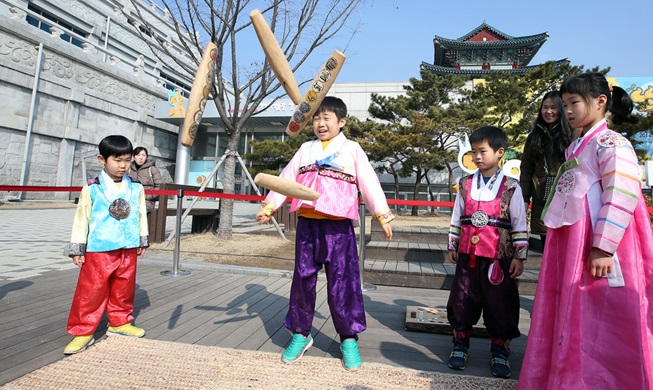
<point>544,152</point>
<point>144,170</point>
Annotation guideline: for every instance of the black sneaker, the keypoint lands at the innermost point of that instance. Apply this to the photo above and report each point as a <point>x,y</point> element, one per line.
<point>458,358</point>
<point>500,366</point>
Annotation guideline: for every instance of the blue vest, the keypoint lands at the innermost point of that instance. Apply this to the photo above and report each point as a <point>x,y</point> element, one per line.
<point>105,232</point>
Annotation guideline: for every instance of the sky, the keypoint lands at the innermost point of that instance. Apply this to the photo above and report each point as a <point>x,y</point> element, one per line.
<point>395,36</point>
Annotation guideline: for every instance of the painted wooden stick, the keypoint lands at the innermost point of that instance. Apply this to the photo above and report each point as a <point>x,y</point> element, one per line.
<point>275,56</point>
<point>317,90</point>
<point>199,94</point>
<point>286,187</point>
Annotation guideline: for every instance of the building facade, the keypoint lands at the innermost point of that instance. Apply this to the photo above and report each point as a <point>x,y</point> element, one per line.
<point>72,72</point>
<point>484,50</point>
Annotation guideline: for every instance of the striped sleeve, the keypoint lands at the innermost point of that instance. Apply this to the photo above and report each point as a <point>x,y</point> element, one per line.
<point>454,228</point>
<point>621,190</point>
<point>518,224</point>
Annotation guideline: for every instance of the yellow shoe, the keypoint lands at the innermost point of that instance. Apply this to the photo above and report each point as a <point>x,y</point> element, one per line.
<point>126,330</point>
<point>78,344</point>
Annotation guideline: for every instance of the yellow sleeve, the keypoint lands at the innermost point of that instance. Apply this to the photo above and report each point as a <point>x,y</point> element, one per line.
<point>79,235</point>
<point>142,211</point>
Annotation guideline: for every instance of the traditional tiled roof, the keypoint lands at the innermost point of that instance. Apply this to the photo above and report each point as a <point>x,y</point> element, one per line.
<point>480,28</point>
<point>537,39</point>
<point>501,48</point>
<point>479,73</point>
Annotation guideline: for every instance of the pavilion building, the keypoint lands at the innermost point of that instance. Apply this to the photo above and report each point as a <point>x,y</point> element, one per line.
<point>483,51</point>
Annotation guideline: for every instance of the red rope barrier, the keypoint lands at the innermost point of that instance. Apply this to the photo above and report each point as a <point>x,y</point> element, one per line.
<point>220,195</point>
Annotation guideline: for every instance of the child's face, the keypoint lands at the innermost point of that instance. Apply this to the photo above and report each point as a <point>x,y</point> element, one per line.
<point>583,114</point>
<point>326,125</point>
<point>116,166</point>
<point>486,158</point>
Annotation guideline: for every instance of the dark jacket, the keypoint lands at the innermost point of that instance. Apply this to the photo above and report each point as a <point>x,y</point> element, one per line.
<point>150,177</point>
<point>532,180</point>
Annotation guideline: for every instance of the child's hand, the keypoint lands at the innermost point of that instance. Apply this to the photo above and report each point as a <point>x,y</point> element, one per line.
<point>387,231</point>
<point>78,260</point>
<point>600,263</point>
<point>141,251</point>
<point>453,257</point>
<point>262,218</point>
<point>516,268</point>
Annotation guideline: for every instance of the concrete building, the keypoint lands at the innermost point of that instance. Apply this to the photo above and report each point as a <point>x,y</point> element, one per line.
<point>72,72</point>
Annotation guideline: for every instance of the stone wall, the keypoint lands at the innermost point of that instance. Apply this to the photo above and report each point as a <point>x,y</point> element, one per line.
<point>81,98</point>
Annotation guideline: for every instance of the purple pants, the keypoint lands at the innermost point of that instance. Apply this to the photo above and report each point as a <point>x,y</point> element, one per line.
<point>472,293</point>
<point>332,244</point>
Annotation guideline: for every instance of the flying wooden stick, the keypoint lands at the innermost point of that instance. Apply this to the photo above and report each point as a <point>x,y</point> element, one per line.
<point>199,94</point>
<point>275,56</point>
<point>317,90</point>
<point>286,187</point>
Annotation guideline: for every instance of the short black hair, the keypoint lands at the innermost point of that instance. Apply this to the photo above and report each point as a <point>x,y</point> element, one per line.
<point>139,149</point>
<point>115,145</point>
<point>494,136</point>
<point>332,104</point>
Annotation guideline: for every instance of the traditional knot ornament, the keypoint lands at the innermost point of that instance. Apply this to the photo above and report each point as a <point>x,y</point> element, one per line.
<point>565,182</point>
<point>480,219</point>
<point>119,209</point>
<point>610,139</point>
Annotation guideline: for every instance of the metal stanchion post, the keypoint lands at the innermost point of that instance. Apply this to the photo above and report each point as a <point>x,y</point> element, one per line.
<point>361,256</point>
<point>175,253</point>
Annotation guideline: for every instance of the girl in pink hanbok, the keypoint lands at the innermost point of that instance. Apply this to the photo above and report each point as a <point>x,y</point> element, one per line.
<point>592,320</point>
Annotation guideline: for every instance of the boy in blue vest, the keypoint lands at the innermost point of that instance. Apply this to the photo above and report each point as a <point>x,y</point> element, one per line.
<point>109,232</point>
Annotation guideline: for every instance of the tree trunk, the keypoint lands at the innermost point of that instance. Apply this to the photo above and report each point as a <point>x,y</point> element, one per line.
<point>450,189</point>
<point>418,185</point>
<point>429,188</point>
<point>396,179</point>
<point>225,228</point>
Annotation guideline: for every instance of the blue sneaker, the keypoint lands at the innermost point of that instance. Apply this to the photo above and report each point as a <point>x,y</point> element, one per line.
<point>351,358</point>
<point>297,347</point>
<point>500,365</point>
<point>458,358</point>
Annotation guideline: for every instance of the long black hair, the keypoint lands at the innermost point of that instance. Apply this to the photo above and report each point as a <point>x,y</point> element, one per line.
<point>593,85</point>
<point>561,133</point>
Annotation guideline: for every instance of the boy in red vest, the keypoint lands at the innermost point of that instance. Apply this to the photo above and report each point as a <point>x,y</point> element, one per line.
<point>488,242</point>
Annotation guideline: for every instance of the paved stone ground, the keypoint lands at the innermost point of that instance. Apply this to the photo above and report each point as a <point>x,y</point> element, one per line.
<point>32,240</point>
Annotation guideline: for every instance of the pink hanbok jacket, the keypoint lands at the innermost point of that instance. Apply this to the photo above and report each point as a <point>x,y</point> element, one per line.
<point>337,173</point>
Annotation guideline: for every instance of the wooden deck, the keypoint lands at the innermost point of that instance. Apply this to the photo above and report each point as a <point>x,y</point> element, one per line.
<point>235,310</point>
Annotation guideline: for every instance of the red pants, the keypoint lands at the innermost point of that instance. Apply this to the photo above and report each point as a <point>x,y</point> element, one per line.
<point>107,280</point>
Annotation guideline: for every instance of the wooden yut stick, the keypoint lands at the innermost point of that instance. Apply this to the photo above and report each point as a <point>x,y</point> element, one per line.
<point>199,94</point>
<point>286,187</point>
<point>275,56</point>
<point>317,90</point>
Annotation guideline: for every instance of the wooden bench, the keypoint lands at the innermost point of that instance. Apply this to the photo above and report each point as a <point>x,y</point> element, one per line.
<point>286,218</point>
<point>203,219</point>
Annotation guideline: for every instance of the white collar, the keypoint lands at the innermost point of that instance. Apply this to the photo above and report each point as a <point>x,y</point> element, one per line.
<point>590,133</point>
<point>485,192</point>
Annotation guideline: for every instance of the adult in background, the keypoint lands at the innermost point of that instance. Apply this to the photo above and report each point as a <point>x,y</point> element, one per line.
<point>144,170</point>
<point>544,152</point>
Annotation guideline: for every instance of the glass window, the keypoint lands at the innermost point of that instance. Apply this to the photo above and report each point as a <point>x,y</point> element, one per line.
<point>55,21</point>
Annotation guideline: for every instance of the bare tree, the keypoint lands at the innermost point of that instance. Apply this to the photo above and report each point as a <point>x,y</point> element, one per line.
<point>240,88</point>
